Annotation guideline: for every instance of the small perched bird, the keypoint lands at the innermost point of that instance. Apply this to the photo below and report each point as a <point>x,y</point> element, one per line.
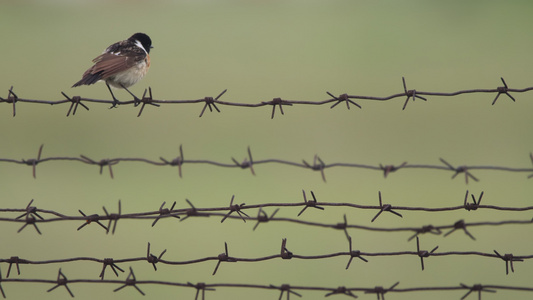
<point>121,65</point>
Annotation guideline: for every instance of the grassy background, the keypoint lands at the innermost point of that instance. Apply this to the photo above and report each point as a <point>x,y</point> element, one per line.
<point>260,50</point>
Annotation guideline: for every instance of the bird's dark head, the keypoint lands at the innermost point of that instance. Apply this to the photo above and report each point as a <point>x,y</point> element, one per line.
<point>144,39</point>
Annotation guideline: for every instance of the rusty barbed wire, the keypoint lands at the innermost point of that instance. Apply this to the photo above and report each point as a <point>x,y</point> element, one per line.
<point>202,287</point>
<point>248,163</point>
<point>31,215</point>
<point>212,102</point>
<point>284,254</point>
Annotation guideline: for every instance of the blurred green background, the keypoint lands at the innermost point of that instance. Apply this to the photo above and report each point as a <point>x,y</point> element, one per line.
<point>260,50</point>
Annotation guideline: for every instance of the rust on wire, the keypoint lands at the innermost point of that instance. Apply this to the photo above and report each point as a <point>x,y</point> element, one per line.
<point>92,218</point>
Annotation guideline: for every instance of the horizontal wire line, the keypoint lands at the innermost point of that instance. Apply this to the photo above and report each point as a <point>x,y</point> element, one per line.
<point>248,163</point>
<point>210,102</point>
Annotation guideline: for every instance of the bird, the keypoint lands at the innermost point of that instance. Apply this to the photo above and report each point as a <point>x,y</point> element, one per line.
<point>121,65</point>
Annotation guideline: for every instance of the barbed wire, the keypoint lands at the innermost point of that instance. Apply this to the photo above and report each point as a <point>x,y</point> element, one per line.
<point>211,103</point>
<point>31,215</point>
<point>287,289</point>
<point>248,163</point>
<point>284,254</point>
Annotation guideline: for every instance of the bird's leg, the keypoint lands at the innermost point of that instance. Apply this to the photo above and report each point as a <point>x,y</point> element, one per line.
<point>115,100</point>
<point>135,99</point>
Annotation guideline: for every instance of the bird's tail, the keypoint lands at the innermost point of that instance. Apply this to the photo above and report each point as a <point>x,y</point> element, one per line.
<point>88,79</point>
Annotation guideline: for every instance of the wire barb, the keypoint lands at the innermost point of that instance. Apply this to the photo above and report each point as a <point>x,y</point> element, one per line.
<point>475,205</point>
<point>262,217</point>
<point>192,212</point>
<point>343,98</point>
<point>75,101</point>
<point>285,288</point>
<point>61,281</point>
<point>102,163</point>
<point>280,103</point>
<point>343,226</point>
<point>508,258</point>
<point>146,100</point>
<point>423,253</point>
<point>11,98</point>
<point>31,212</point>
<point>318,165</point>
<point>246,163</point>
<point>354,254</point>
<point>165,212</point>
<point>503,90</point>
<point>387,169</point>
<point>113,217</point>
<point>223,257</point>
<point>130,281</point>
<point>209,101</point>
<point>410,94</point>
<point>14,260</point>
<point>111,263</point>
<point>285,253</point>
<point>384,207</point>
<point>235,208</point>
<point>341,290</point>
<point>380,291</point>
<point>152,258</point>
<point>461,169</point>
<point>92,218</point>
<point>178,161</point>
<point>460,225</point>
<point>200,286</point>
<point>425,229</point>
<point>475,288</point>
<point>34,161</point>
<point>310,203</point>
